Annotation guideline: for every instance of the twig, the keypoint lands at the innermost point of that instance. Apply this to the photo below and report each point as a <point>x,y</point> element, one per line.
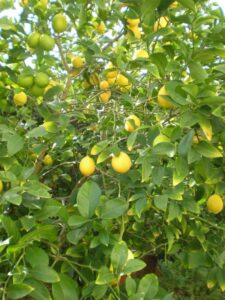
<point>113,40</point>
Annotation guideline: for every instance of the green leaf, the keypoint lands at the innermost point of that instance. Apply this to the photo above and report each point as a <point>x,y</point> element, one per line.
<point>180,171</point>
<point>188,3</point>
<point>74,236</point>
<point>174,90</point>
<point>99,147</point>
<point>37,132</point>
<point>113,209</point>
<point>104,276</point>
<point>197,71</point>
<point>40,291</point>
<point>77,221</point>
<point>174,212</point>
<point>52,92</point>
<point>5,4</point>
<point>134,265</point>
<point>36,256</point>
<point>148,286</point>
<point>15,143</point>
<point>131,140</point>
<point>206,149</point>
<point>11,227</point>
<point>50,209</point>
<point>165,149</point>
<point>214,100</point>
<point>131,286</point>
<point>6,24</point>
<point>37,189</point>
<point>44,273</point>
<point>66,289</point>
<point>185,143</point>
<point>146,169</point>
<point>12,196</point>
<point>88,198</point>
<point>119,257</point>
<point>161,202</point>
<point>18,291</point>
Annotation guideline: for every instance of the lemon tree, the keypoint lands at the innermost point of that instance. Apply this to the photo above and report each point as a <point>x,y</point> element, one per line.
<point>112,141</point>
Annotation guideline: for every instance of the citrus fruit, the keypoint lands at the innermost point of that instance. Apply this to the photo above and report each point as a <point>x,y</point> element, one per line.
<point>136,31</point>
<point>100,27</point>
<point>33,39</point>
<point>132,122</point>
<point>162,22</point>
<point>93,79</point>
<point>47,160</point>
<point>25,80</point>
<point>50,126</point>
<point>104,85</point>
<point>215,204</point>
<point>1,186</point>
<point>121,163</point>
<point>41,79</point>
<point>111,81</point>
<point>37,91</point>
<point>77,61</point>
<point>87,166</point>
<point>59,23</point>
<point>46,42</point>
<point>104,97</point>
<point>161,100</point>
<point>141,54</point>
<point>121,80</point>
<point>111,71</point>
<point>133,22</point>
<point>20,99</point>
<point>161,138</point>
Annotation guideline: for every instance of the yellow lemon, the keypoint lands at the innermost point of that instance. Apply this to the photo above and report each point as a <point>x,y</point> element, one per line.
<point>77,61</point>
<point>1,186</point>
<point>132,123</point>
<point>174,5</point>
<point>47,160</point>
<point>140,54</point>
<point>161,138</point>
<point>111,81</point>
<point>100,27</point>
<point>112,72</point>
<point>121,163</point>
<point>215,204</point>
<point>93,79</point>
<point>104,85</point>
<point>162,22</point>
<point>161,100</point>
<point>87,166</point>
<point>136,31</point>
<point>104,97</point>
<point>133,22</point>
<point>20,99</point>
<point>59,23</point>
<point>121,80</point>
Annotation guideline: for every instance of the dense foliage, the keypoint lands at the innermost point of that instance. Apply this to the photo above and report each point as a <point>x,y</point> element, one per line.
<point>135,89</point>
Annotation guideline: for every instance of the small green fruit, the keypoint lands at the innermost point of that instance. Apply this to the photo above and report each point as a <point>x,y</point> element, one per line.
<point>25,81</point>
<point>41,80</point>
<point>37,91</point>
<point>59,23</point>
<point>46,42</point>
<point>33,39</point>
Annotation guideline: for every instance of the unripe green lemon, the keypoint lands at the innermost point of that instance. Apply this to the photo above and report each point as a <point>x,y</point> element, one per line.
<point>37,91</point>
<point>59,23</point>
<point>41,79</point>
<point>25,81</point>
<point>46,42</point>
<point>33,39</point>
<point>87,166</point>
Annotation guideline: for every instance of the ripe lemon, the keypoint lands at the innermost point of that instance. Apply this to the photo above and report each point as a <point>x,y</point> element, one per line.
<point>215,204</point>
<point>131,126</point>
<point>174,5</point>
<point>87,166</point>
<point>46,42</point>
<point>162,22</point>
<point>133,22</point>
<point>37,91</point>
<point>111,71</point>
<point>77,62</point>
<point>33,39</point>
<point>121,163</point>
<point>59,23</point>
<point>20,99</point>
<point>111,81</point>
<point>1,186</point>
<point>161,100</point>
<point>140,54</point>
<point>47,160</point>
<point>93,79</point>
<point>25,80</point>
<point>104,97</point>
<point>161,138</point>
<point>24,3</point>
<point>135,30</point>
<point>121,80</point>
<point>41,79</point>
<point>100,27</point>
<point>104,85</point>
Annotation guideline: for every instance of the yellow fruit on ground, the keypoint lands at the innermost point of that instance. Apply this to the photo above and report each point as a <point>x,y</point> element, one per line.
<point>215,204</point>
<point>132,122</point>
<point>77,62</point>
<point>104,85</point>
<point>162,101</point>
<point>104,97</point>
<point>121,80</point>
<point>59,23</point>
<point>87,166</point>
<point>162,22</point>
<point>47,160</point>
<point>20,99</point>
<point>100,27</point>
<point>1,186</point>
<point>161,138</point>
<point>140,54</point>
<point>133,22</point>
<point>121,163</point>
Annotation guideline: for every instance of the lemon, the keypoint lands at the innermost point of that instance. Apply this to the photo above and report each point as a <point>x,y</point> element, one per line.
<point>41,79</point>
<point>86,85</point>
<point>104,97</point>
<point>111,81</point>
<point>93,79</point>
<point>215,204</point>
<point>59,23</point>
<point>121,163</point>
<point>77,61</point>
<point>20,99</point>
<point>140,54</point>
<point>121,80</point>
<point>104,85</point>
<point>132,123</point>
<point>50,126</point>
<point>42,4</point>
<point>87,166</point>
<point>174,5</point>
<point>161,100</point>
<point>133,22</point>
<point>25,80</point>
<point>47,160</point>
<point>135,30</point>
<point>161,138</point>
<point>46,42</point>
<point>33,39</point>
<point>37,91</point>
<point>1,186</point>
<point>162,22</point>
<point>100,27</point>
<point>111,71</point>
<point>24,3</point>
